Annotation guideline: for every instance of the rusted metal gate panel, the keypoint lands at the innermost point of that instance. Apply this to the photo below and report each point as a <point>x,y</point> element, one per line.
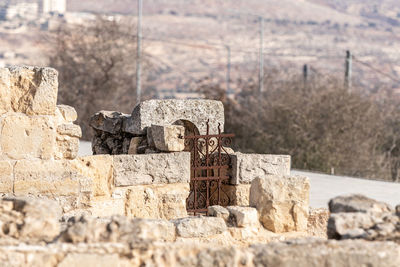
<point>209,170</point>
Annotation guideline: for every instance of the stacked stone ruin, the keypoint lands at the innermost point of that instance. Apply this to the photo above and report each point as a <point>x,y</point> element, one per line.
<point>139,169</point>
<point>126,205</point>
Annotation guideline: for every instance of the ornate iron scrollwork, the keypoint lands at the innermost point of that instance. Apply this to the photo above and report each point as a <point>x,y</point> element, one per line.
<point>210,164</point>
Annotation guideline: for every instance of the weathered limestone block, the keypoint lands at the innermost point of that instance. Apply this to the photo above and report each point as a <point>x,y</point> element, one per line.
<point>151,229</point>
<point>89,259</point>
<point>68,113</point>
<point>218,211</point>
<point>69,129</point>
<point>106,206</point>
<point>200,226</point>
<point>6,176</point>
<point>238,195</point>
<point>318,222</point>
<point>359,217</point>
<point>68,134</point>
<point>282,202</point>
<point>243,216</point>
<point>33,90</point>
<point>29,218</point>
<point>116,229</point>
<point>168,138</point>
<point>357,203</point>
<point>162,201</point>
<point>349,253</point>
<point>99,169</point>
<point>349,225</point>
<point>66,147</point>
<point>152,169</point>
<point>24,137</point>
<point>246,167</point>
<point>49,177</point>
<point>108,121</point>
<point>167,112</point>
<point>5,90</point>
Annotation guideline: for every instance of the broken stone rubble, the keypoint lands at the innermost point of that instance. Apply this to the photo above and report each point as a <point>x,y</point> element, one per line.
<point>359,217</point>
<point>118,240</point>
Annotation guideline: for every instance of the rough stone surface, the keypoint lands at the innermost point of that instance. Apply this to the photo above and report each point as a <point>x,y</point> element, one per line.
<point>33,90</point>
<point>238,195</point>
<point>200,226</point>
<point>168,112</point>
<point>6,177</point>
<point>323,253</point>
<point>24,137</point>
<point>116,229</point>
<point>104,206</point>
<point>29,219</point>
<point>69,113</point>
<point>49,177</point>
<point>311,253</point>
<point>164,201</point>
<point>318,222</point>
<point>5,90</point>
<point>243,216</point>
<point>359,217</point>
<point>282,202</point>
<point>357,203</point>
<point>66,147</point>
<point>106,143</point>
<point>218,211</point>
<point>31,235</point>
<point>108,121</point>
<point>152,169</point>
<point>168,138</point>
<point>246,167</point>
<point>99,169</point>
<point>349,224</point>
<point>71,130</point>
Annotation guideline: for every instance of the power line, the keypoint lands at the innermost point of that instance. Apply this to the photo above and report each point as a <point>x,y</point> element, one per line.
<point>222,47</point>
<point>376,70</point>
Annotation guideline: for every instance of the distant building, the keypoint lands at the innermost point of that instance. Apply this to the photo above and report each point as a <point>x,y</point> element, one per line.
<point>31,9</point>
<point>53,6</point>
<point>27,10</point>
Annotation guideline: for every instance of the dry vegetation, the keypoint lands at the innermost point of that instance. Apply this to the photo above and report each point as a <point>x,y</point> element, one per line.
<point>321,125</point>
<point>97,65</point>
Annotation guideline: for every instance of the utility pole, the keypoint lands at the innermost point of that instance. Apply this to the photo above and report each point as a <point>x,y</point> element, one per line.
<point>139,53</point>
<point>261,56</point>
<point>347,74</point>
<point>261,71</point>
<point>305,74</point>
<point>228,71</point>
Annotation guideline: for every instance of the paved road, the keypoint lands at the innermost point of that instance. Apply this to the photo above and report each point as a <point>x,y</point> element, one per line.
<point>324,187</point>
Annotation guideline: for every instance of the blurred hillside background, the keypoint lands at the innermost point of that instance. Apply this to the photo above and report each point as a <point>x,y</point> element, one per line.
<point>205,48</point>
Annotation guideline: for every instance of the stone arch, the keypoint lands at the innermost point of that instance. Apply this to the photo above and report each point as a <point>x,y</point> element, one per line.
<point>190,129</point>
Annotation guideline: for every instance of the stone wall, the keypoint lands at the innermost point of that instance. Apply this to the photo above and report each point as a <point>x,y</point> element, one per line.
<point>149,186</point>
<point>31,234</point>
<point>32,125</point>
<point>38,157</point>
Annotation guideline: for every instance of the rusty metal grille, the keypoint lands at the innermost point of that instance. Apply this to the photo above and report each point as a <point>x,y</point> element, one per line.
<point>209,170</point>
